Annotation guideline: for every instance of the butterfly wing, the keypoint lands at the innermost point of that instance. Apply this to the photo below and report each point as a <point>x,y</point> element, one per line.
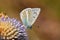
<point>29,16</point>
<point>23,16</point>
<point>34,14</point>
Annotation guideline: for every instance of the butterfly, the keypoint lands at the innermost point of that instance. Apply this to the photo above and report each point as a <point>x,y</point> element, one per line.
<point>29,16</point>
